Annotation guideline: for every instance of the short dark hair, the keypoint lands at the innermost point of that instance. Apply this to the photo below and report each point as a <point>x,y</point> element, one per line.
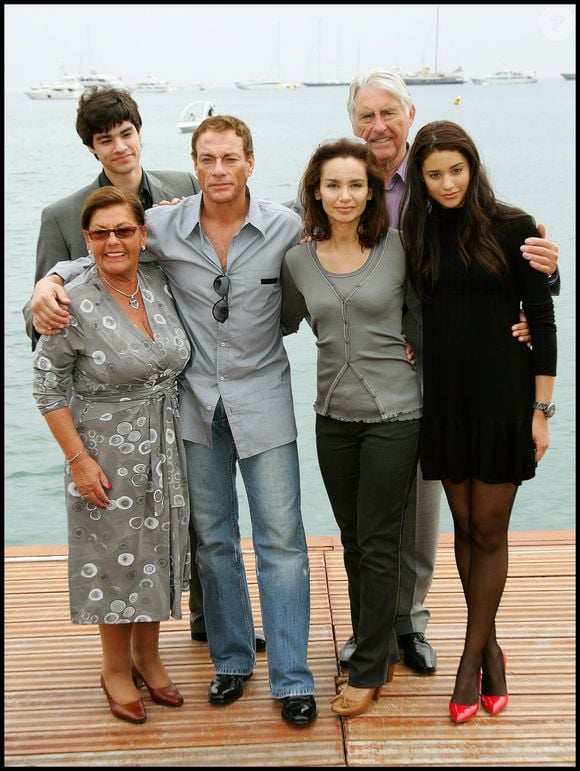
<point>107,196</point>
<point>102,108</point>
<point>221,123</point>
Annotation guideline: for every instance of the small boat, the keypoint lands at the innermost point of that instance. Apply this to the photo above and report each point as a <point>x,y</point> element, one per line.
<point>152,83</point>
<point>311,83</point>
<point>568,75</point>
<point>266,85</point>
<point>507,78</point>
<point>193,114</point>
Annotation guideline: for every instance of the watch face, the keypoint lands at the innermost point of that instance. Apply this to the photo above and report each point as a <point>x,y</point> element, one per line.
<point>551,409</point>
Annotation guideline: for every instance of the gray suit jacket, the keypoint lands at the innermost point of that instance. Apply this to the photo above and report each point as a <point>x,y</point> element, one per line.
<point>61,236</point>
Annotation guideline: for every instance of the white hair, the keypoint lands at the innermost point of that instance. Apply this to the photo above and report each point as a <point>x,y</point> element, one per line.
<point>384,80</point>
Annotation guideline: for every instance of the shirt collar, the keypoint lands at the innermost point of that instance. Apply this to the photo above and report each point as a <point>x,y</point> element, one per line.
<point>144,190</point>
<point>400,173</point>
<point>254,216</point>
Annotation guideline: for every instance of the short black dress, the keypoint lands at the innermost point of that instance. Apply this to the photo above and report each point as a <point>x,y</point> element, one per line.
<point>478,379</point>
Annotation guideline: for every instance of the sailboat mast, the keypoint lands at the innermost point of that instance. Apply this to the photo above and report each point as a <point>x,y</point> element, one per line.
<point>436,37</point>
<point>319,48</point>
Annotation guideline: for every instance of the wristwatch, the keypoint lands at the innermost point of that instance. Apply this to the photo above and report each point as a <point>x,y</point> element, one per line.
<point>547,409</point>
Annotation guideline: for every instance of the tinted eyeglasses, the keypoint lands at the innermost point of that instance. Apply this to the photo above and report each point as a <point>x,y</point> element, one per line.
<point>221,310</point>
<point>101,235</point>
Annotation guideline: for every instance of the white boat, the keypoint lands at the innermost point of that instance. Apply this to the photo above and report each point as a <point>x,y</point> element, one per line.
<point>69,87</point>
<point>425,77</point>
<point>193,114</point>
<point>507,78</point>
<point>264,85</point>
<point>72,86</point>
<point>152,83</point>
<point>95,78</point>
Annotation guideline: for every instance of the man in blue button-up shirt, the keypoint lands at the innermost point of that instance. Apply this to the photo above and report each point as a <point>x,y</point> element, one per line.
<point>222,251</point>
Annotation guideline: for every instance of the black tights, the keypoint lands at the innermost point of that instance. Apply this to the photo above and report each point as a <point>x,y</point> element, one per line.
<point>481,514</point>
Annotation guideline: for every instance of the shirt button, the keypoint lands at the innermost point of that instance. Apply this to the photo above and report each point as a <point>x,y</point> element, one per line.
<point>222,377</point>
<point>209,407</point>
<point>223,345</point>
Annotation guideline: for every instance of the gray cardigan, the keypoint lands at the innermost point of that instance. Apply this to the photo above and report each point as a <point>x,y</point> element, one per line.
<point>362,371</point>
<point>61,236</point>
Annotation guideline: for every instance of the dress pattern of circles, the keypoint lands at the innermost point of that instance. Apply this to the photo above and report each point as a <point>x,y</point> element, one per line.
<point>131,561</point>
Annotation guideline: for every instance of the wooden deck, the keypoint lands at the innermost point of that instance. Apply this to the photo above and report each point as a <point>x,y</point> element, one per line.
<point>56,713</point>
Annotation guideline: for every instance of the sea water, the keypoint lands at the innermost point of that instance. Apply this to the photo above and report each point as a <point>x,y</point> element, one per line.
<point>526,137</point>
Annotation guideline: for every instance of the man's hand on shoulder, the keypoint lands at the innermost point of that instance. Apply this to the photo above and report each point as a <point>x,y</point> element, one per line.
<point>170,203</point>
<point>48,306</point>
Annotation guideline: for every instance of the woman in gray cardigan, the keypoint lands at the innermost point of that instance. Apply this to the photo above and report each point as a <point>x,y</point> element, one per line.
<point>348,281</point>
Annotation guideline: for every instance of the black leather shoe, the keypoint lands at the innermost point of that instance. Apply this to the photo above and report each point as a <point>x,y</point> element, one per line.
<point>199,636</point>
<point>418,653</point>
<point>260,642</point>
<point>346,652</point>
<point>226,688</point>
<point>299,710</point>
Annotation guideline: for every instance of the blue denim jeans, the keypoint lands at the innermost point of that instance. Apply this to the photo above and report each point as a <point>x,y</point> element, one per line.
<point>272,483</point>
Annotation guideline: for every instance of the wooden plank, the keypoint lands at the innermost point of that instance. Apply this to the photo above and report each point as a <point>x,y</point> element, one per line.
<point>47,657</point>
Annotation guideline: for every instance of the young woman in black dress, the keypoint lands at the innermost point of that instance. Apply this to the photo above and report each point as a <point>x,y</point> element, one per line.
<point>487,398</point>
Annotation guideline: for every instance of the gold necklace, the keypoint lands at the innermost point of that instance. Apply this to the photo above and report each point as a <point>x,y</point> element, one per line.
<point>133,301</point>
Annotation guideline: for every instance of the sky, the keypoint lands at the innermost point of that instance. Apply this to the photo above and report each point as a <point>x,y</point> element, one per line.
<point>219,43</point>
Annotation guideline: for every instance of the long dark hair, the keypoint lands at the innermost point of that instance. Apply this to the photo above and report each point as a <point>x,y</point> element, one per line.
<point>374,222</point>
<point>476,241</point>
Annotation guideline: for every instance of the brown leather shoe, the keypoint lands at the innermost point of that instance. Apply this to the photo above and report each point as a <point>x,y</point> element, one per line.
<point>133,712</point>
<point>168,696</point>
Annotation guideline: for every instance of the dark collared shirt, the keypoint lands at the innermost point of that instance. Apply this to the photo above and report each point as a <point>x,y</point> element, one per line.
<point>144,192</point>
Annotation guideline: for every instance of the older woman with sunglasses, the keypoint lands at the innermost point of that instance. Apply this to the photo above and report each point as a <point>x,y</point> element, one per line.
<point>107,389</point>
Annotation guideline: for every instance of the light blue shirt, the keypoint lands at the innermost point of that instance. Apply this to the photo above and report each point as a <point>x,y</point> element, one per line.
<point>242,360</point>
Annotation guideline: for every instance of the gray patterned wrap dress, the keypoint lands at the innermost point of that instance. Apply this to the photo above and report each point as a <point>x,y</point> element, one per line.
<point>131,561</point>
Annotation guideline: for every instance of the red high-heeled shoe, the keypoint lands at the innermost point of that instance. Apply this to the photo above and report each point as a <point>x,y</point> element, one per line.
<point>495,704</point>
<point>462,712</point>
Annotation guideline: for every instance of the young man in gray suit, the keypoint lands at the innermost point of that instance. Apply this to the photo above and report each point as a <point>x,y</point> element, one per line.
<point>109,125</point>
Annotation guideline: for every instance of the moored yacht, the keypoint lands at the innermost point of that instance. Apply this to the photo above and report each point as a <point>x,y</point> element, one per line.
<point>72,86</point>
<point>507,78</point>
<point>152,83</point>
<point>68,87</point>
